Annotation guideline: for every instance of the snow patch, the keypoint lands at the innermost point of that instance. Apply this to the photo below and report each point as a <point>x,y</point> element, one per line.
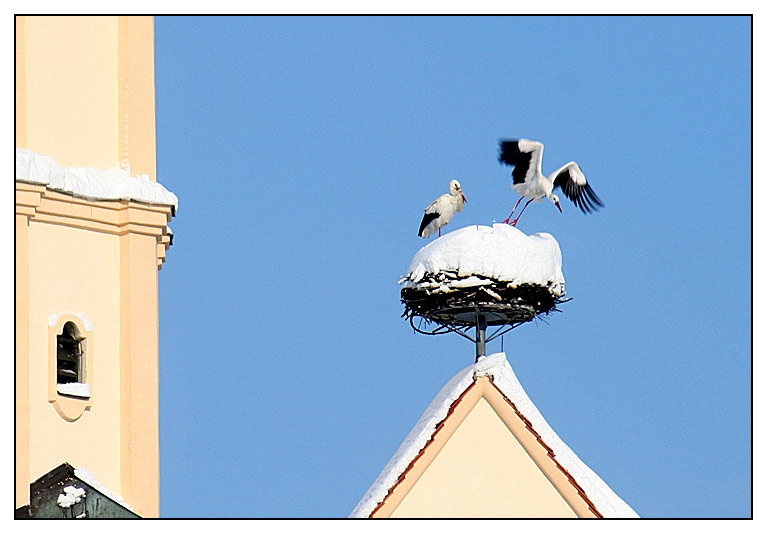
<point>87,477</point>
<point>75,389</point>
<point>475,254</point>
<point>90,183</point>
<point>71,496</point>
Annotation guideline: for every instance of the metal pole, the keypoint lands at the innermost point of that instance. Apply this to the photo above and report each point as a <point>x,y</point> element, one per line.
<point>481,329</point>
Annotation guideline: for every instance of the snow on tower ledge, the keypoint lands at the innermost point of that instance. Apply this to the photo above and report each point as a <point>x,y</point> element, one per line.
<point>497,367</point>
<point>90,183</point>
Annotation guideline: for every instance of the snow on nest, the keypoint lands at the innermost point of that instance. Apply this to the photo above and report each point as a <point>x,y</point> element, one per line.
<point>496,366</point>
<point>92,183</point>
<point>476,254</point>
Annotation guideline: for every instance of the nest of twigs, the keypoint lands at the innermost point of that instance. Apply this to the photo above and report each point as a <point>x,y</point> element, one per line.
<point>502,303</point>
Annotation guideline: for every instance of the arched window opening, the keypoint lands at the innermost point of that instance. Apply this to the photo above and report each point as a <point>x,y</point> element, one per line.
<point>69,353</point>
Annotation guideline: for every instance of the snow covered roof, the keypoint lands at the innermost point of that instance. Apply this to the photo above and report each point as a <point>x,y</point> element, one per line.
<point>91,183</point>
<point>88,477</point>
<point>497,367</point>
<point>476,254</point>
<point>69,496</point>
<point>68,492</point>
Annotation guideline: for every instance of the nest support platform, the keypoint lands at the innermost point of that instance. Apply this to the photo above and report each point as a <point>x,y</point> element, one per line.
<point>459,310</point>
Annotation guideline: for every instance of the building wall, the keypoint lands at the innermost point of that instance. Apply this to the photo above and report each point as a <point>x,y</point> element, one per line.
<point>90,288</point>
<point>85,96</point>
<point>484,460</point>
<point>85,91</point>
<point>71,85</point>
<point>483,471</point>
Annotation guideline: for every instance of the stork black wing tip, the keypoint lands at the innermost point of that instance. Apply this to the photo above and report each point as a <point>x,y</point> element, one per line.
<point>508,151</point>
<point>593,198</point>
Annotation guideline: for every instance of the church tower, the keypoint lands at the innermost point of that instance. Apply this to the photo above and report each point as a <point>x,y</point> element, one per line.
<point>91,235</point>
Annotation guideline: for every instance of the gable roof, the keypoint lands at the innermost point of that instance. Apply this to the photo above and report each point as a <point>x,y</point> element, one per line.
<point>69,492</point>
<point>497,381</point>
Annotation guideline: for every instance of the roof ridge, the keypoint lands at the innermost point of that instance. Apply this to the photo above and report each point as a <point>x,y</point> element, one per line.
<point>595,492</point>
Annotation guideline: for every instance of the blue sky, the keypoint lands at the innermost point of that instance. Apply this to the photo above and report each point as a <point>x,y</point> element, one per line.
<point>303,151</point>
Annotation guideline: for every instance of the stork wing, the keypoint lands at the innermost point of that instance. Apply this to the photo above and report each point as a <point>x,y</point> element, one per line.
<point>431,213</point>
<point>427,220</point>
<point>573,183</point>
<point>524,155</point>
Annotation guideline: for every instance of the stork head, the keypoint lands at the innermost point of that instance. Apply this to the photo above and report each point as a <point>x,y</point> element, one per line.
<point>455,189</point>
<point>555,200</point>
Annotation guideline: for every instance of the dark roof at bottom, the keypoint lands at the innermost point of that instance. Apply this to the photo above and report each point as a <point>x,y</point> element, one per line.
<point>62,494</point>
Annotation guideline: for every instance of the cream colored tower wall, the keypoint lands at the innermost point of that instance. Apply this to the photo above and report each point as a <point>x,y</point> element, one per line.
<point>85,97</point>
<point>483,471</point>
<point>90,288</point>
<point>85,91</point>
<point>74,89</point>
<point>93,263</point>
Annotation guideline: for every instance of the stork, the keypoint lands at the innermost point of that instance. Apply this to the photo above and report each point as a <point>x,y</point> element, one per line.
<point>441,211</point>
<point>529,182</point>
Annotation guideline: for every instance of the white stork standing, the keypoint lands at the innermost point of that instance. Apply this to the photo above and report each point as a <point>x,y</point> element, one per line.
<point>439,212</point>
<point>529,182</point>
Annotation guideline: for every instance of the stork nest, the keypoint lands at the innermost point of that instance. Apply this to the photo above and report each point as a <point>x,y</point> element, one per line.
<point>502,303</point>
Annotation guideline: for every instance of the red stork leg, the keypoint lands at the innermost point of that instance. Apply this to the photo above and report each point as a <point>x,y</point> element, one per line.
<point>512,211</point>
<point>514,222</point>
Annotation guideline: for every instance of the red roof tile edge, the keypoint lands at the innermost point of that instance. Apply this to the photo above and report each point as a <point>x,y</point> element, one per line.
<point>439,427</point>
<point>549,451</point>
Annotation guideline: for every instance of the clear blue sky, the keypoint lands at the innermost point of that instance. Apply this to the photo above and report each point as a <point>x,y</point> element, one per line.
<point>303,151</point>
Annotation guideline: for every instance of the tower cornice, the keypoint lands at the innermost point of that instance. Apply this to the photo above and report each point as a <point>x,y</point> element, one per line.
<point>118,217</point>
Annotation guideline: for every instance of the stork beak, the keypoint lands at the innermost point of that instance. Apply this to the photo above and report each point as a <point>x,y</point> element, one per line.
<point>463,197</point>
<point>558,207</point>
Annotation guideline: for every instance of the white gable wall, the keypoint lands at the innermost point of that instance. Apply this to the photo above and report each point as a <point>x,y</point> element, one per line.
<point>483,471</point>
